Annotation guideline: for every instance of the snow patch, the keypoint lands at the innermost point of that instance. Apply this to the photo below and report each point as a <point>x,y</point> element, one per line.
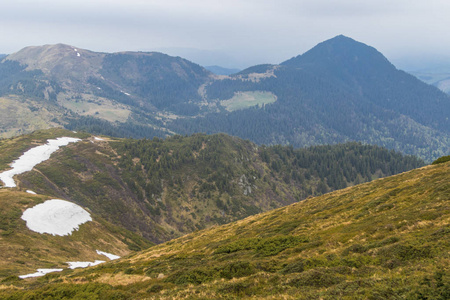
<point>56,217</point>
<point>98,139</point>
<point>83,264</point>
<point>31,192</point>
<point>108,255</point>
<point>33,157</point>
<point>78,54</point>
<point>40,272</point>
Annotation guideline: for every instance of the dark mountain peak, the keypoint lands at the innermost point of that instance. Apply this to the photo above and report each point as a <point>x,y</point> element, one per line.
<point>343,52</point>
<point>218,70</point>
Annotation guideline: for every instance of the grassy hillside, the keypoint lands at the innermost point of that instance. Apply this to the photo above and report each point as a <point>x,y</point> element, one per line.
<point>387,239</point>
<point>22,251</point>
<point>163,189</point>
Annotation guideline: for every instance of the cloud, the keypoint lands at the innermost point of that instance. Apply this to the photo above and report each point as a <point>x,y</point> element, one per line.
<point>255,31</point>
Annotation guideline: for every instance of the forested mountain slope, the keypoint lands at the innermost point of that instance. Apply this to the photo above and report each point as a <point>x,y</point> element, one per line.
<point>162,189</point>
<point>340,90</point>
<point>380,240</point>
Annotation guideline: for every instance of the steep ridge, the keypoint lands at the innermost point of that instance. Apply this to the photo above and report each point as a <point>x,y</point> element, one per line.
<point>378,240</point>
<point>162,189</point>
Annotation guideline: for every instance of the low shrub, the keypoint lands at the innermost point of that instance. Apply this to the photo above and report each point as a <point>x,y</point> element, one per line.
<point>316,278</point>
<point>441,160</point>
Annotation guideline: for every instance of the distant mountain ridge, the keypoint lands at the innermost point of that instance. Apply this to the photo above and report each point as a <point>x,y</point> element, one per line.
<point>440,78</point>
<point>341,90</point>
<point>218,70</point>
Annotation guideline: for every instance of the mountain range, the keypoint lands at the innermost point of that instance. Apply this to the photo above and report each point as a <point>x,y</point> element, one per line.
<point>339,91</point>
<point>439,77</point>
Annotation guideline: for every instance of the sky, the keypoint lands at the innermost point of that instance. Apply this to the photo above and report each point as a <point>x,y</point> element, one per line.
<point>231,33</point>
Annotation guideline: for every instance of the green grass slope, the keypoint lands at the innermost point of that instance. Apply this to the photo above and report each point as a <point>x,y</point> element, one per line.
<point>388,239</point>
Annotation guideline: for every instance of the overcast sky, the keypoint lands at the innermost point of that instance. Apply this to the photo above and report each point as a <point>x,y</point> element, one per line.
<point>230,33</point>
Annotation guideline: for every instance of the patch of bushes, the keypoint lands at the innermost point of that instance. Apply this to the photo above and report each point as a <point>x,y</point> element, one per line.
<point>355,248</point>
<point>263,246</point>
<point>238,289</point>
<point>405,252</point>
<point>274,245</point>
<point>156,288</point>
<point>316,278</point>
<point>239,245</point>
<point>72,291</point>
<point>237,269</point>
<point>200,275</point>
<point>193,276</point>
<point>294,267</point>
<point>441,160</point>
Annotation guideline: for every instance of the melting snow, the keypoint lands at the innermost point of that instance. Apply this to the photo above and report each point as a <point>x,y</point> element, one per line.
<point>31,192</point>
<point>56,217</point>
<point>40,272</point>
<point>83,264</point>
<point>108,255</point>
<point>33,157</point>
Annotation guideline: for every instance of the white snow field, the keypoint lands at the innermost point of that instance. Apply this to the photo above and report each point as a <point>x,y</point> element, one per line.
<point>56,217</point>
<point>33,157</point>
<point>83,264</point>
<point>108,255</point>
<point>40,272</point>
<point>31,192</point>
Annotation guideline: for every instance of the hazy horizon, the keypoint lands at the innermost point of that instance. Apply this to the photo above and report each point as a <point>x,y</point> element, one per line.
<point>231,34</point>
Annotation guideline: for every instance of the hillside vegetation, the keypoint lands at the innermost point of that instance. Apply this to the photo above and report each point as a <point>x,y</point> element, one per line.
<point>22,251</point>
<point>386,239</point>
<point>163,189</point>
